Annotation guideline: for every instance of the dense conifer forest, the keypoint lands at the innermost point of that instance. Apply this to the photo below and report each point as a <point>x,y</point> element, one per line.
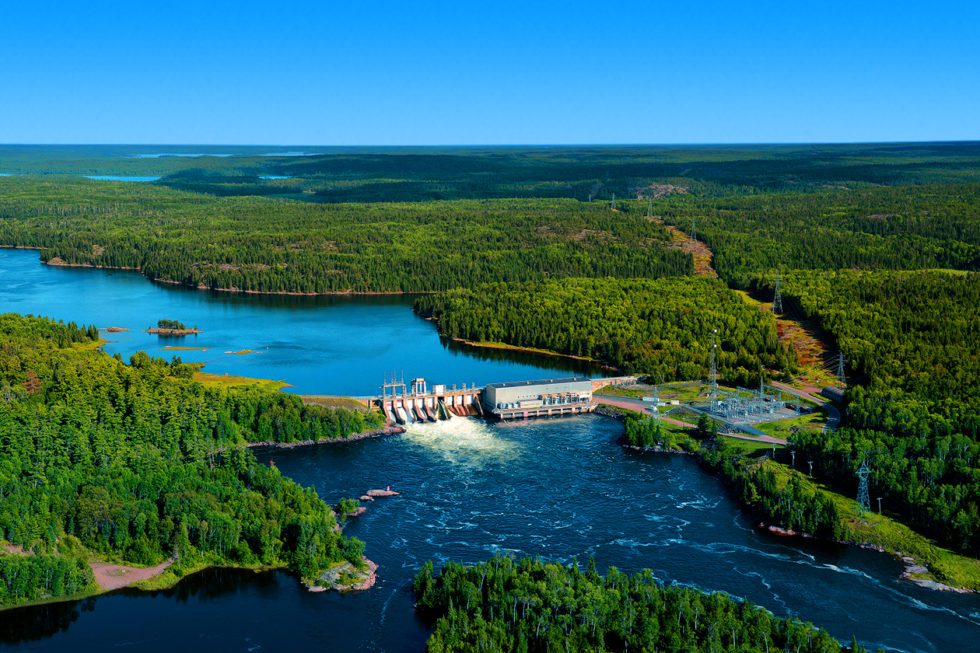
<point>912,340</point>
<point>661,328</point>
<point>565,249</point>
<point>261,245</point>
<point>140,463</point>
<point>884,228</point>
<point>527,605</point>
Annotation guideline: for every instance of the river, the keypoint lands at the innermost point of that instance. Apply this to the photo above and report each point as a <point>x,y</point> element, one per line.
<point>559,489</point>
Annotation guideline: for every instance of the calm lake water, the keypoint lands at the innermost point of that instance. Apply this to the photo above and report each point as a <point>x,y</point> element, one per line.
<point>320,345</point>
<point>120,178</point>
<point>559,489</point>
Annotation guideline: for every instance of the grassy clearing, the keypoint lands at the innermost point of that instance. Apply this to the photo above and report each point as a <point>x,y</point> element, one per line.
<point>751,446</point>
<point>685,390</point>
<point>632,391</point>
<point>330,401</point>
<point>783,428</point>
<point>230,381</point>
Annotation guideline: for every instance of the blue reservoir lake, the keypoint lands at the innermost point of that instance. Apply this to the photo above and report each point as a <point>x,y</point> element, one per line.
<point>560,489</point>
<point>319,345</point>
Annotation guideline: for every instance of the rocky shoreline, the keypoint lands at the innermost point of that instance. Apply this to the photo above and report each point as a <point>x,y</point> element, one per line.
<point>174,332</point>
<point>913,572</point>
<point>345,577</point>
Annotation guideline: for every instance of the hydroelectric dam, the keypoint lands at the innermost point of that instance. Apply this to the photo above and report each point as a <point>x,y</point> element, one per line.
<point>416,402</point>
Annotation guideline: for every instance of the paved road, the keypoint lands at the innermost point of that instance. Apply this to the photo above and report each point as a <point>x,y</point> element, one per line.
<point>639,406</point>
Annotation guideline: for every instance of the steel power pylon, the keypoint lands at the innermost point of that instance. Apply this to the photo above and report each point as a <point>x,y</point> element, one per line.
<point>863,499</point>
<point>840,369</point>
<point>714,366</point>
<point>777,298</point>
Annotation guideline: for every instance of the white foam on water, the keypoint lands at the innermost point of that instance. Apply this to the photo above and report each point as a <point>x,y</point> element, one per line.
<point>463,441</point>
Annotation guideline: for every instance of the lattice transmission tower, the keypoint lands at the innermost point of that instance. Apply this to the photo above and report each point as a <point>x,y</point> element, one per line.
<point>713,376</point>
<point>777,298</point>
<point>863,499</point>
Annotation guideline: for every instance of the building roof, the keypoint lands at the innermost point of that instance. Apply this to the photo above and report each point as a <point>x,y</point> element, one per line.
<point>519,384</point>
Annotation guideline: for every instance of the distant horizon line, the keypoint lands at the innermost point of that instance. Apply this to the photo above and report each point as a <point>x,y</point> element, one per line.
<point>509,145</point>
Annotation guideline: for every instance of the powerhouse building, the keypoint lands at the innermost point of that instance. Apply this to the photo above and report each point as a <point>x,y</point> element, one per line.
<point>522,399</point>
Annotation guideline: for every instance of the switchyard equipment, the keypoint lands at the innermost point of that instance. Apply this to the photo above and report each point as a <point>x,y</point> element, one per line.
<point>743,407</point>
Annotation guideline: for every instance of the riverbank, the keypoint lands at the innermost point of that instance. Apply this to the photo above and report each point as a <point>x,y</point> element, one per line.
<point>109,577</point>
<point>503,346</point>
<point>926,564</point>
<point>364,435</point>
<point>57,261</point>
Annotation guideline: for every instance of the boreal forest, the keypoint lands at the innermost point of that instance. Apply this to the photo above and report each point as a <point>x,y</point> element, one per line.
<point>643,260</point>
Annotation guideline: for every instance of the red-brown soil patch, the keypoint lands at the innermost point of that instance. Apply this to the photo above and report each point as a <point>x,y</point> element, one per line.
<point>112,577</point>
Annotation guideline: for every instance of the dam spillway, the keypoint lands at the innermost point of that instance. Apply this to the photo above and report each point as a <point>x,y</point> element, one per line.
<point>415,402</point>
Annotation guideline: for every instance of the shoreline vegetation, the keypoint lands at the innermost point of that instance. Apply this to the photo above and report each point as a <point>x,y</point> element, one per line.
<point>531,605</point>
<point>173,332</point>
<point>527,350</point>
<point>111,498</point>
<point>748,471</point>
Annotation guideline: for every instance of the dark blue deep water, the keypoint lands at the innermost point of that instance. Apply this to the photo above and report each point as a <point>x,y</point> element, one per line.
<point>559,489</point>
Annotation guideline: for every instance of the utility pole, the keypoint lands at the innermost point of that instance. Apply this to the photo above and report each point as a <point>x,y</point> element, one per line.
<point>879,505</point>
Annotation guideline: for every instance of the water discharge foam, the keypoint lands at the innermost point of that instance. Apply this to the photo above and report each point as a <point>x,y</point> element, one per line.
<point>465,441</point>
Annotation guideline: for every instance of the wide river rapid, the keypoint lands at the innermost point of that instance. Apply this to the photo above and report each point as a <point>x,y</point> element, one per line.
<point>559,489</point>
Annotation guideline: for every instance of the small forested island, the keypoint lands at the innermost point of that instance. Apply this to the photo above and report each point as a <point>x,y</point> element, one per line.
<point>172,328</point>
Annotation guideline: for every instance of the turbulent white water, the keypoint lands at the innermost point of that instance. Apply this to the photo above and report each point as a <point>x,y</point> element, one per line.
<point>463,441</point>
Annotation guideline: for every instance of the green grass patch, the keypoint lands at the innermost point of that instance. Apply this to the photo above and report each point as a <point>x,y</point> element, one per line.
<point>783,428</point>
<point>330,401</point>
<point>231,381</point>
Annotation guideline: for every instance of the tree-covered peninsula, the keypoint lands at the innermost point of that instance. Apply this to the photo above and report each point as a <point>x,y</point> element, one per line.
<point>138,463</point>
<point>530,606</point>
<point>662,328</point>
<point>261,245</point>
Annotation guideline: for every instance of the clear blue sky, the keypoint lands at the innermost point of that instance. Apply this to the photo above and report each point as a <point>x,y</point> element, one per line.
<point>417,72</point>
